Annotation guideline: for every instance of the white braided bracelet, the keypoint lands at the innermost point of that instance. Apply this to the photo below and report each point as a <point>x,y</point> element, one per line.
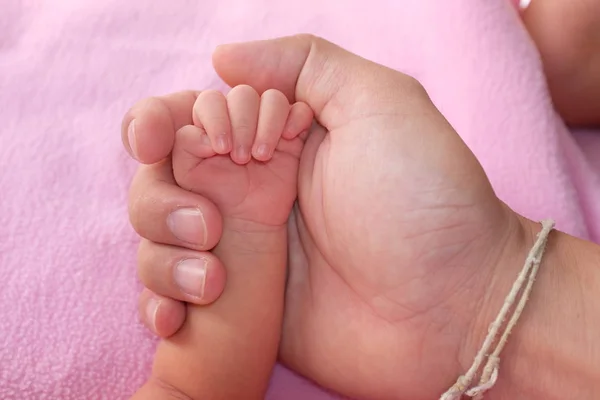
<point>489,375</point>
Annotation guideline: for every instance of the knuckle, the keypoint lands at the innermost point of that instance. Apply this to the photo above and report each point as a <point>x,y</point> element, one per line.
<point>192,95</point>
<point>134,216</point>
<point>136,206</point>
<point>209,95</point>
<point>242,90</point>
<point>310,38</point>
<point>145,251</point>
<point>147,105</point>
<point>414,86</point>
<point>186,136</point>
<point>274,95</point>
<point>144,258</point>
<point>242,129</point>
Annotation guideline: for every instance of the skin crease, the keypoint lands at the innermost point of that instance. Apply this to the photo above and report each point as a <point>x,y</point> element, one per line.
<point>383,307</point>
<point>439,205</point>
<point>255,199</point>
<point>435,209</point>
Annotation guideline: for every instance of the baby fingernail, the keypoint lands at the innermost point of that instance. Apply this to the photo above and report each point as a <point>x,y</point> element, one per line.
<point>188,225</point>
<point>242,153</point>
<point>190,276</point>
<point>263,151</point>
<point>132,138</point>
<point>222,143</point>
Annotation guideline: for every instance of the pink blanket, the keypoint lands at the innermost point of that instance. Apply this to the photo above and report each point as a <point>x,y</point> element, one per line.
<point>69,69</point>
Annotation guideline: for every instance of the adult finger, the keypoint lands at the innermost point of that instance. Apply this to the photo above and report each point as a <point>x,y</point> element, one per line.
<point>335,83</point>
<point>161,315</point>
<point>181,274</point>
<point>148,128</point>
<point>162,212</point>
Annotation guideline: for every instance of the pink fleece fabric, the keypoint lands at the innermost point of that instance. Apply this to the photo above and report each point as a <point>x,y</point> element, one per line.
<point>68,71</point>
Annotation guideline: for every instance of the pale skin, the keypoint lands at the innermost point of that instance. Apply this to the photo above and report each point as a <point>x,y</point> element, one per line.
<point>241,153</point>
<point>388,300</point>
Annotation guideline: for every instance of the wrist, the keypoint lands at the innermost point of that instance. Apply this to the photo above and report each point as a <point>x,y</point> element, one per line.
<point>552,352</point>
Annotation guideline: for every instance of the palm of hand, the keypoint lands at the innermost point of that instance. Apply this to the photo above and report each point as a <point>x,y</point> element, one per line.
<point>380,245</point>
<point>257,192</point>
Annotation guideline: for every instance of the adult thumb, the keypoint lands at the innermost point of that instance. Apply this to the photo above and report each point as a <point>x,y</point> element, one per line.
<point>336,84</point>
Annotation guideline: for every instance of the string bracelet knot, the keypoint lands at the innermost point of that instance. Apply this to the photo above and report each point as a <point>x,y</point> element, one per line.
<point>513,303</point>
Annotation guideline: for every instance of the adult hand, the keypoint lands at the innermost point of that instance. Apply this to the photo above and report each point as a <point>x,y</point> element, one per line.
<point>177,227</point>
<point>390,256</point>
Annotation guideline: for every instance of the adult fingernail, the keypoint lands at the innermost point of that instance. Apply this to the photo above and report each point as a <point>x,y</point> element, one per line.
<point>151,311</point>
<point>190,276</point>
<point>188,225</point>
<point>132,139</point>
